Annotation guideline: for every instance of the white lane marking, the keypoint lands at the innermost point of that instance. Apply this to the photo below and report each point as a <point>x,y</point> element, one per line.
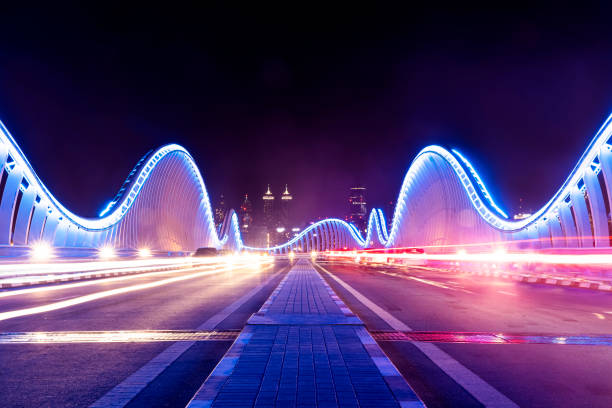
<point>123,393</point>
<point>599,316</point>
<point>99,295</point>
<point>424,281</point>
<point>480,389</point>
<point>503,292</point>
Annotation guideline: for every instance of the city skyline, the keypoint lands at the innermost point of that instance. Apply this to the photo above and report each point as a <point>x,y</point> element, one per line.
<point>267,210</point>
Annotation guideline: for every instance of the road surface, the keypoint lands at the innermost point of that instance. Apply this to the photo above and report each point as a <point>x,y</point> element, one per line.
<point>449,303</point>
<point>483,341</point>
<point>75,374</point>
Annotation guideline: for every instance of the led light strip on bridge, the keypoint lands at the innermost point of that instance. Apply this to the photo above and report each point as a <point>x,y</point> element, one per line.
<point>442,201</point>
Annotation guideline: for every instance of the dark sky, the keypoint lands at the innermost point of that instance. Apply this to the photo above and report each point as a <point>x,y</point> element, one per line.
<point>315,97</point>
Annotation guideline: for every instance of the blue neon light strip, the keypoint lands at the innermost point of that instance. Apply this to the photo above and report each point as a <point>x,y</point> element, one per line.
<point>480,184</point>
<point>486,208</point>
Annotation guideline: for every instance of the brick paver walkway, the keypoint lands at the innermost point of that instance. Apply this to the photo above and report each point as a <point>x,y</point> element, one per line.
<point>305,348</point>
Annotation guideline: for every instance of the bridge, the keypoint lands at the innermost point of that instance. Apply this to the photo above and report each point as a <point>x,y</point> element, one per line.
<point>456,304</point>
<point>442,202</point>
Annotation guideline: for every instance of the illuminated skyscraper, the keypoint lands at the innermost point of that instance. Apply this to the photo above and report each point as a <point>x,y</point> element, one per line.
<point>268,215</point>
<point>358,209</point>
<point>284,221</point>
<point>285,210</point>
<point>268,209</point>
<point>220,210</point>
<point>246,216</point>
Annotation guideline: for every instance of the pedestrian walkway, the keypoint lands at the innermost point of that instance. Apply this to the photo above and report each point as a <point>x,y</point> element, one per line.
<point>305,348</point>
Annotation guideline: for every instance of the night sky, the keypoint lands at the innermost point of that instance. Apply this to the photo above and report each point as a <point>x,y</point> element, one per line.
<point>315,97</point>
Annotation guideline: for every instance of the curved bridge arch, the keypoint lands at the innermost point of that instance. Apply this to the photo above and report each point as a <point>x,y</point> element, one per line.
<point>442,202</point>
<point>145,213</point>
<point>576,216</point>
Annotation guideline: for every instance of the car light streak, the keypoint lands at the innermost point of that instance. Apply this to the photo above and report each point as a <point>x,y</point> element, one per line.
<point>144,274</point>
<point>107,293</point>
<point>120,336</point>
<point>492,338</point>
<point>493,258</point>
<point>49,278</point>
<point>16,269</point>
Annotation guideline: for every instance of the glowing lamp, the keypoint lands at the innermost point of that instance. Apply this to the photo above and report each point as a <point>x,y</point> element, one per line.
<point>144,252</point>
<point>41,251</point>
<point>106,252</point>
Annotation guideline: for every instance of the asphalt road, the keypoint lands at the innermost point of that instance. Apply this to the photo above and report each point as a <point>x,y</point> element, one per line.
<point>530,375</point>
<point>77,374</point>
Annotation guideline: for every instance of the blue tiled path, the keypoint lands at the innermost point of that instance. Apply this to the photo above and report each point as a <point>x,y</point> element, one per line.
<point>305,348</point>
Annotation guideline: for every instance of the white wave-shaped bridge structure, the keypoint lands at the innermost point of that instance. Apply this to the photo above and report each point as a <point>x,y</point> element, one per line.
<point>163,205</point>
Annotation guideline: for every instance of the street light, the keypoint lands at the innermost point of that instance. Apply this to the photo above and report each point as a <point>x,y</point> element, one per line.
<point>106,252</point>
<point>41,251</point>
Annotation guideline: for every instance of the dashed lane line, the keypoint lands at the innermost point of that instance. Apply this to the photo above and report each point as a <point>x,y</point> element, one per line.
<point>424,281</point>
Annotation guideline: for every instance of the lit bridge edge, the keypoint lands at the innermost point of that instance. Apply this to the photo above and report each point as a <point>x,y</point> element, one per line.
<point>481,200</point>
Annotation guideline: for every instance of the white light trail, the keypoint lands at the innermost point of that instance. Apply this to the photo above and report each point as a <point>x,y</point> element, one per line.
<point>496,257</point>
<point>100,281</point>
<point>16,269</point>
<point>107,293</point>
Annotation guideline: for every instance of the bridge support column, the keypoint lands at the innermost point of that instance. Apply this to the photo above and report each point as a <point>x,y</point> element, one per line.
<point>599,215</point>
<point>558,239</point>
<point>568,225</point>
<point>544,235</point>
<point>582,218</point>
<point>7,203</point>
<point>325,237</point>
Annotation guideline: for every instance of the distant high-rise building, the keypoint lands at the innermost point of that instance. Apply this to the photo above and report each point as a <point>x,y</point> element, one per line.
<point>284,223</point>
<point>269,218</point>
<point>285,209</point>
<point>220,210</point>
<point>268,209</point>
<point>246,216</point>
<point>358,210</point>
